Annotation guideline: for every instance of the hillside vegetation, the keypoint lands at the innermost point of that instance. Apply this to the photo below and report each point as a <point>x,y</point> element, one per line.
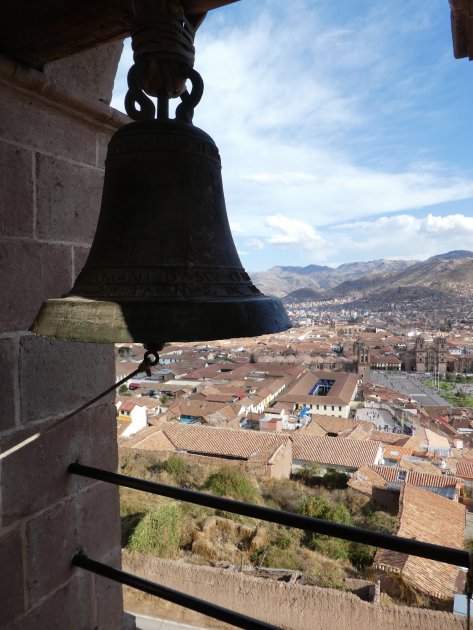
<point>158,526</point>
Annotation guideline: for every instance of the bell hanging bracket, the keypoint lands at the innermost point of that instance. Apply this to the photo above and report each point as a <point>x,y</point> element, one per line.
<point>163,54</point>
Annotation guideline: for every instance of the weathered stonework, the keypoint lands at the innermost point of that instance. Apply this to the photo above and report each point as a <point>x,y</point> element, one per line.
<point>53,131</point>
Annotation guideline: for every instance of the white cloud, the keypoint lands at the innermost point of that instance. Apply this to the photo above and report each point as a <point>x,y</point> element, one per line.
<point>255,244</point>
<point>456,224</point>
<point>286,179</point>
<point>404,236</point>
<point>236,227</point>
<point>286,231</point>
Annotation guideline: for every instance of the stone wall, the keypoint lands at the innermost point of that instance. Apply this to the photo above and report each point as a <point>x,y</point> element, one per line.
<point>53,138</point>
<point>279,466</point>
<point>291,606</point>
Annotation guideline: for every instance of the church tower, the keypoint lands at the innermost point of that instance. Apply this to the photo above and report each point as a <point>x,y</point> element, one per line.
<point>420,354</point>
<point>362,360</point>
<point>441,355</point>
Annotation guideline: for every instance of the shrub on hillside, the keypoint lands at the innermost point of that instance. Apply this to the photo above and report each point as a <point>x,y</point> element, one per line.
<point>230,482</point>
<point>381,521</point>
<point>308,474</point>
<point>177,467</point>
<point>284,494</point>
<point>158,532</point>
<point>318,507</point>
<point>361,556</point>
<point>334,480</point>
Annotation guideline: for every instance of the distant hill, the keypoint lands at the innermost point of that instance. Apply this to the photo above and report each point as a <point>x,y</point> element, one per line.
<point>305,271</point>
<point>456,254</point>
<point>305,295</point>
<point>281,281</point>
<point>377,282</point>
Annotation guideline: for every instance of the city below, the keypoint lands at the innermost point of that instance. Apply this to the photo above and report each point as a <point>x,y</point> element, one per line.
<point>374,401</point>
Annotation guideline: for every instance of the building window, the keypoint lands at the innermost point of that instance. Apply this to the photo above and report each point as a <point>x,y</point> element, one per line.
<point>333,408</point>
<point>325,407</point>
<point>339,407</point>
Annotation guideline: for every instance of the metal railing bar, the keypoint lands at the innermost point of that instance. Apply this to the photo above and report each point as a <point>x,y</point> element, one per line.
<point>449,555</point>
<point>171,595</point>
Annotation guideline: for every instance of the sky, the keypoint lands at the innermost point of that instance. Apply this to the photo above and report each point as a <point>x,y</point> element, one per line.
<point>344,128</point>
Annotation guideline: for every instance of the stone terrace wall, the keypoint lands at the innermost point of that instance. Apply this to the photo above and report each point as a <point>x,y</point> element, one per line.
<point>52,146</point>
<point>279,469</point>
<point>291,606</point>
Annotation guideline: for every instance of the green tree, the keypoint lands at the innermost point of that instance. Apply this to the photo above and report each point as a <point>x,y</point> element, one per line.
<point>123,389</point>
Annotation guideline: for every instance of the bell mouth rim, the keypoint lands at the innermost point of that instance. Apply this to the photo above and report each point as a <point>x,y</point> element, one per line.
<point>82,319</point>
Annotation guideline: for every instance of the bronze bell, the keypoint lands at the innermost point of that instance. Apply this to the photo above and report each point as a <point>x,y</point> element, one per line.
<point>163,265</point>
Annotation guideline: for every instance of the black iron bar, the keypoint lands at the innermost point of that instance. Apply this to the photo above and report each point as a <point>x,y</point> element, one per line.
<point>457,557</point>
<point>171,595</point>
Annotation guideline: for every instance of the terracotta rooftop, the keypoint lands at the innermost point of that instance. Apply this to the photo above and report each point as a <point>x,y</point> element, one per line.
<point>126,404</point>
<point>335,451</point>
<point>465,469</point>
<point>341,392</point>
<point>227,442</point>
<point>338,425</point>
<point>196,408</point>
<point>396,452</point>
<point>386,437</point>
<point>427,517</point>
<point>365,478</point>
<point>415,478</point>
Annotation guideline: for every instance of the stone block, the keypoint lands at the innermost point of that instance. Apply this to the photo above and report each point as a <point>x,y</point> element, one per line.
<point>21,287</point>
<point>8,377</point>
<point>16,191</point>
<point>90,72</point>
<point>97,512</point>
<point>109,604</point>
<point>12,596</point>
<point>51,542</point>
<point>68,200</point>
<point>69,608</point>
<point>57,377</point>
<point>89,437</point>
<point>31,272</point>
<point>32,122</point>
<point>56,270</point>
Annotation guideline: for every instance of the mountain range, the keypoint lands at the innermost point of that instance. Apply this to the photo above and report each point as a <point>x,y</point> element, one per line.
<point>383,280</point>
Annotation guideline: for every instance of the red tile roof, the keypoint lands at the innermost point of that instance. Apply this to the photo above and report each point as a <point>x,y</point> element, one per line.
<point>465,469</point>
<point>427,517</point>
<point>334,451</point>
<point>221,441</point>
<point>415,478</point>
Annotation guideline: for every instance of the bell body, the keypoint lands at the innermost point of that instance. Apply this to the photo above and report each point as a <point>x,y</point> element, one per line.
<point>163,265</point>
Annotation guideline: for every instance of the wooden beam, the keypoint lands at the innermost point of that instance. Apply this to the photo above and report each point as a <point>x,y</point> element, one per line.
<point>37,31</point>
<point>461,16</point>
